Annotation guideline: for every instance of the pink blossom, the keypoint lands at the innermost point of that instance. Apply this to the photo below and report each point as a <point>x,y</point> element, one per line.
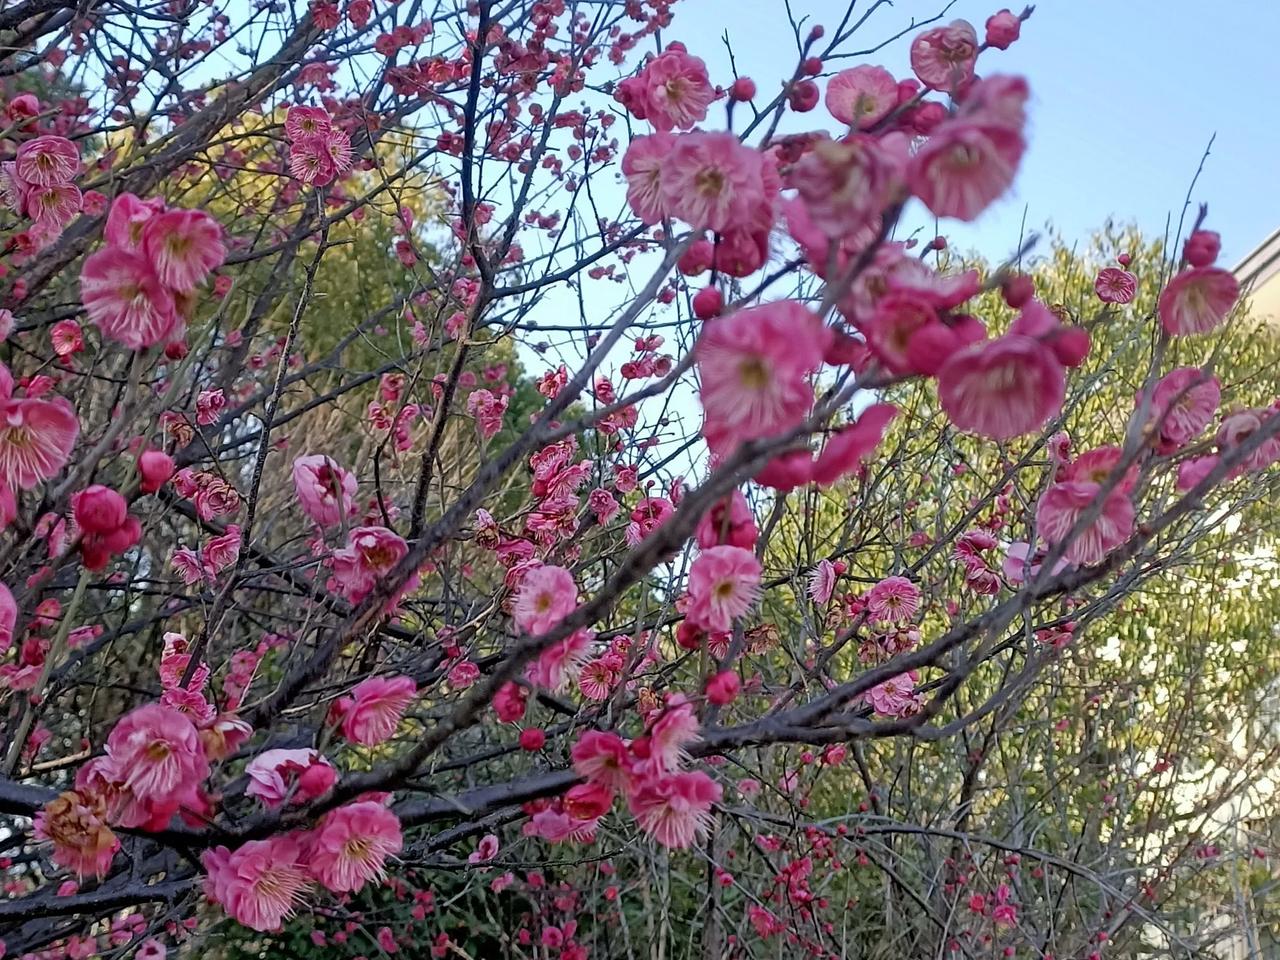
<point>463,675</point>
<point>127,218</point>
<point>1192,472</point>
<point>1197,300</point>
<point>647,516</point>
<point>895,697</point>
<point>642,165</point>
<point>754,367</point>
<point>1002,389</point>
<point>127,301</point>
<point>844,185</point>
<point>375,707</point>
<point>156,468</point>
<point>371,553</point>
<point>275,775</point>
<point>36,436</point>
<point>310,161</point>
<point>822,582</point>
<point>943,57</point>
<point>261,883</point>
<point>350,845</point>
<point>965,166</point>
<point>729,521</point>
<point>1183,404</point>
<point>1202,248</point>
<point>52,206</point>
<point>559,663</point>
<point>555,826</point>
<point>713,181</point>
<point>1238,427</point>
<point>670,734</point>
<point>603,504</point>
<point>509,702</point>
<point>1114,285</point>
<point>596,680</point>
<point>675,809</point>
<point>547,595</point>
<point>183,246</point>
<point>723,688</point>
<point>155,755</point>
<point>862,96</point>
<point>325,490</point>
<point>677,90</point>
<point>602,758</point>
<point>1063,504</point>
<point>485,850</point>
<point>893,600</point>
<point>303,121</point>
<point>8,617</point>
<point>724,584</point>
<point>488,410</point>
<point>44,161</point>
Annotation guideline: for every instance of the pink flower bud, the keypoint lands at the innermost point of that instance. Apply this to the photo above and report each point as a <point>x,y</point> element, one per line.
<point>99,509</point>
<point>707,303</point>
<point>532,739</point>
<point>723,688</point>
<point>1201,248</point>
<point>803,96</point>
<point>1002,29</point>
<point>1018,290</point>
<point>156,468</point>
<point>743,89</point>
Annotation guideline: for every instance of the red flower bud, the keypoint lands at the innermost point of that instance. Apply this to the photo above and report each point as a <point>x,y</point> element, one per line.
<point>743,89</point>
<point>532,739</point>
<point>156,468</point>
<point>99,509</point>
<point>707,303</point>
<point>803,96</point>
<point>723,688</point>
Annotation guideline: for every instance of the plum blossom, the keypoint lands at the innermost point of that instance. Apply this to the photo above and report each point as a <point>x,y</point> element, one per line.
<point>1183,404</point>
<point>943,58</point>
<point>754,367</point>
<point>76,824</point>
<point>896,696</point>
<point>862,96</point>
<point>822,582</point>
<point>893,600</point>
<point>351,845</point>
<point>1064,504</point>
<point>301,775</point>
<point>712,181</point>
<point>261,883</point>
<point>36,436</point>
<point>325,490</point>
<point>675,808</point>
<point>547,595</point>
<point>1197,300</point>
<point>1002,388</point>
<point>724,583</point>
<point>373,711</point>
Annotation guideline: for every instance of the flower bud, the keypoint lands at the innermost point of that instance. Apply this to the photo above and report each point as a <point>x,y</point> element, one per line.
<point>99,509</point>
<point>156,467</point>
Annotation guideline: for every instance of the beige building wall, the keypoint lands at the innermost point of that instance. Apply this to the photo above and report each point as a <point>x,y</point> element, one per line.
<point>1259,276</point>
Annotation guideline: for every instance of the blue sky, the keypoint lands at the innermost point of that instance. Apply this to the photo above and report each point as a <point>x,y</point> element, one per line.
<point>1125,96</point>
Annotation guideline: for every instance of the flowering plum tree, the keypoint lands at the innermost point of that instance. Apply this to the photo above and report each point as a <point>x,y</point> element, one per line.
<point>474,461</point>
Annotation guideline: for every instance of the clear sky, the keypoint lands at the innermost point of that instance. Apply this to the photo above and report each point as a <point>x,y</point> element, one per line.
<point>1125,96</point>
